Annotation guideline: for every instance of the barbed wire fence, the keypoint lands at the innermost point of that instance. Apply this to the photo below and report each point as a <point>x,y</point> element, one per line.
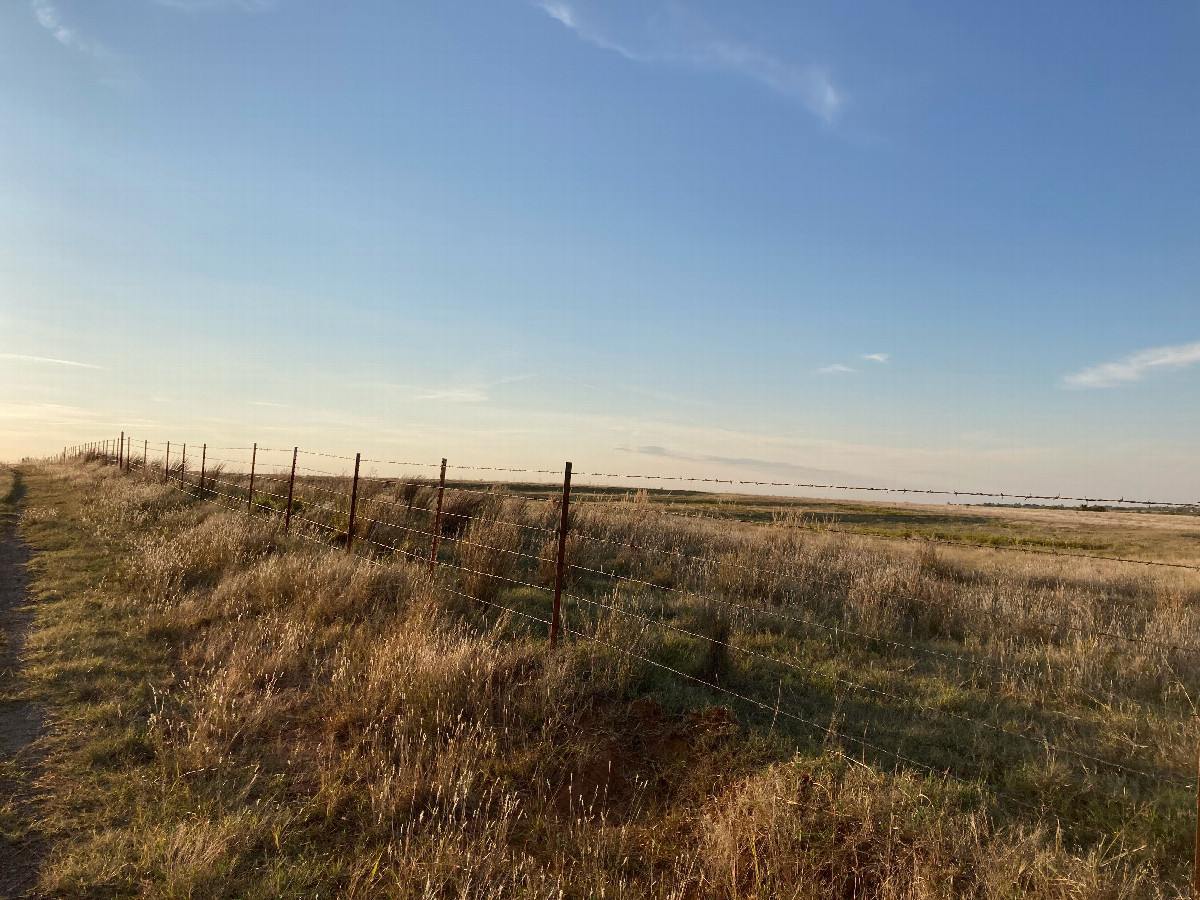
<point>361,514</point>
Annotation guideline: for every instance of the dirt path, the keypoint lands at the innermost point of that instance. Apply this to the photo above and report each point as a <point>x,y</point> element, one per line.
<point>21,849</point>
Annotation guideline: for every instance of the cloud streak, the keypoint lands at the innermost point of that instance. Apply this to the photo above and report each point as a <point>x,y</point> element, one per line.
<point>835,369</point>
<point>51,19</point>
<point>19,357</point>
<point>1135,367</point>
<point>876,357</point>
<point>744,462</point>
<point>206,5</point>
<point>809,85</point>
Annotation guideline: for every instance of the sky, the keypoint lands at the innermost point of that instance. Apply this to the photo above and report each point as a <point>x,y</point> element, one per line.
<point>932,245</point>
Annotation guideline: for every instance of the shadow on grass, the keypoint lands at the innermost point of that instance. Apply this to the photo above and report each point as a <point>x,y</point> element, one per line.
<point>16,493</point>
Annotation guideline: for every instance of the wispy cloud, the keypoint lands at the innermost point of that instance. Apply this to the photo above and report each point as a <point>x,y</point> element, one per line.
<point>744,462</point>
<point>46,413</point>
<point>835,369</point>
<point>876,357</point>
<point>456,395</point>
<point>564,13</point>
<point>51,19</point>
<point>19,357</point>
<point>50,16</point>
<point>205,5</point>
<point>810,85</point>
<point>477,392</point>
<point>1135,367</point>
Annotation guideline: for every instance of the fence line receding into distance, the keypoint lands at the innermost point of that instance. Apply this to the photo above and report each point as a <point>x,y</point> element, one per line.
<point>333,508</point>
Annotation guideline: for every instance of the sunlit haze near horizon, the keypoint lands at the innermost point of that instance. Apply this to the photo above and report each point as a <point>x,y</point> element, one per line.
<point>947,246</point>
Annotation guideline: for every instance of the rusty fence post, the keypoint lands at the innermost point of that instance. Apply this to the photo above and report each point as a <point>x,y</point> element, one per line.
<point>437,518</point>
<point>250,493</point>
<point>562,552</point>
<point>203,457</point>
<point>287,517</point>
<point>353,504</point>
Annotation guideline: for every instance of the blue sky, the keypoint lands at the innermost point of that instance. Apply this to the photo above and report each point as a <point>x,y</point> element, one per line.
<point>943,245</point>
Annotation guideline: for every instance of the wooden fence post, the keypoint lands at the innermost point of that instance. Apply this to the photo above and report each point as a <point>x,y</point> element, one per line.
<point>167,463</point>
<point>562,552</point>
<point>203,457</point>
<point>183,467</point>
<point>145,457</point>
<point>437,518</point>
<point>121,452</point>
<point>287,517</point>
<point>353,504</point>
<point>250,493</point>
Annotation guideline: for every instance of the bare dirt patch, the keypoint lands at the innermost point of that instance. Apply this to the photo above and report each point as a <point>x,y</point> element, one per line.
<point>21,848</point>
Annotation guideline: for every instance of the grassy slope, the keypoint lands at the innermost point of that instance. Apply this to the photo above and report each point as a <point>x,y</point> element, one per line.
<point>242,714</point>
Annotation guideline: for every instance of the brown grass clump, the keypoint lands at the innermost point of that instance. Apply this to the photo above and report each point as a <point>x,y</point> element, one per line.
<point>488,551</point>
<point>799,831</point>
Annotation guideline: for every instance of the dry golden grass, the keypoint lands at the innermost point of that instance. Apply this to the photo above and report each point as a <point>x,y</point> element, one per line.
<point>285,719</point>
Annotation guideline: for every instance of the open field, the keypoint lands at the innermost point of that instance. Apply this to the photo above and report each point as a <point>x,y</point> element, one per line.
<point>1138,534</point>
<point>748,702</point>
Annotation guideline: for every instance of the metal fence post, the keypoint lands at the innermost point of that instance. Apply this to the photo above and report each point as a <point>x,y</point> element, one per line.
<point>287,517</point>
<point>437,518</point>
<point>203,457</point>
<point>562,552</point>
<point>353,503</point>
<point>250,493</point>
